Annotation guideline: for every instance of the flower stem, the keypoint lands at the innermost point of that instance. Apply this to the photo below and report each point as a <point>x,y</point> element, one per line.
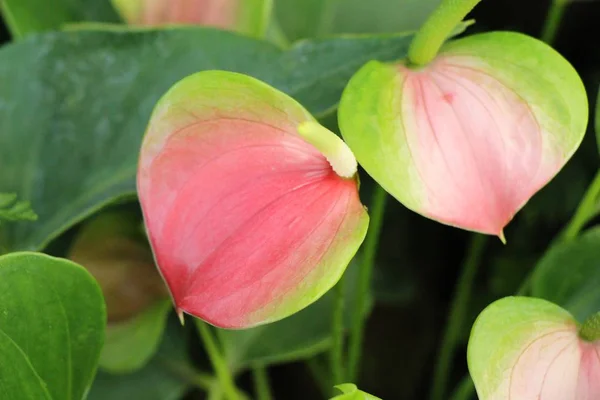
<point>337,346</point>
<point>261,383</point>
<point>555,14</point>
<point>364,282</point>
<point>218,361</point>
<point>430,38</point>
<point>456,320</point>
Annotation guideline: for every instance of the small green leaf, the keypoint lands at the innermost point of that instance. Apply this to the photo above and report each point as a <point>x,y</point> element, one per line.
<point>12,209</point>
<point>166,377</point>
<point>52,320</point>
<point>351,392</point>
<point>569,275</point>
<point>24,17</point>
<point>297,337</point>
<point>130,344</point>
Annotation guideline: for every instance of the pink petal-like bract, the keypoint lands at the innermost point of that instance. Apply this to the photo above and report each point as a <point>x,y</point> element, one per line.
<point>248,221</point>
<point>219,13</point>
<point>524,348</point>
<point>468,139</point>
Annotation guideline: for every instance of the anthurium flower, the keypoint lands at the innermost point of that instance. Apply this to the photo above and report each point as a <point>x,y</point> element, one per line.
<point>531,349</point>
<point>248,16</point>
<point>251,207</point>
<point>468,138</point>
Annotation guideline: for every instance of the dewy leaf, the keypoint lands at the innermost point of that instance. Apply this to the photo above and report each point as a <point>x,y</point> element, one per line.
<point>529,349</point>
<point>24,17</point>
<point>468,139</point>
<point>70,159</point>
<point>51,328</point>
<point>12,209</point>
<point>569,275</point>
<point>247,218</point>
<point>246,16</point>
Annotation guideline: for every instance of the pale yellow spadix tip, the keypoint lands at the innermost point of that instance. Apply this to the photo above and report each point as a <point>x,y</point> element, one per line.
<point>335,150</point>
<point>181,316</point>
<point>502,238</point>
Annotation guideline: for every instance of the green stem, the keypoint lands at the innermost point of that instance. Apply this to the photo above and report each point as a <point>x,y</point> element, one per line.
<point>186,373</point>
<point>555,14</point>
<point>585,211</point>
<point>464,390</point>
<point>371,244</point>
<point>456,319</point>
<point>218,362</point>
<point>320,375</point>
<point>261,383</point>
<point>590,330</point>
<point>337,346</point>
<point>432,35</point>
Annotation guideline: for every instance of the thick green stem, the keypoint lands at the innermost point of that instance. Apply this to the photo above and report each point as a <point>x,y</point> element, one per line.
<point>371,244</point>
<point>432,35</point>
<point>261,383</point>
<point>590,330</point>
<point>218,362</point>
<point>555,14</point>
<point>337,326</point>
<point>456,319</point>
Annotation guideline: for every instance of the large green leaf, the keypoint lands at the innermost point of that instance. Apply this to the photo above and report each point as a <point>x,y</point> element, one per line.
<point>298,337</point>
<point>52,320</point>
<point>569,275</point>
<point>29,16</point>
<point>74,106</point>
<point>310,18</point>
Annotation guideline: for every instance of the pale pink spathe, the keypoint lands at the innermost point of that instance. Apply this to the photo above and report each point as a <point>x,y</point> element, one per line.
<point>218,13</point>
<point>477,147</point>
<point>554,365</point>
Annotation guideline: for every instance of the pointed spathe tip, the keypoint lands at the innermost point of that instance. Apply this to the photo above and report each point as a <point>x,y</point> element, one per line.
<point>181,316</point>
<point>501,237</point>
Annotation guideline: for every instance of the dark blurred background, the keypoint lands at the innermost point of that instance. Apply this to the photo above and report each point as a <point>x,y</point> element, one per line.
<point>418,261</point>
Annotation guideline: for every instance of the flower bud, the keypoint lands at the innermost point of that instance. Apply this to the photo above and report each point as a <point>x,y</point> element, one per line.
<point>248,220</point>
<point>530,349</point>
<point>468,139</point>
<point>247,16</point>
<point>112,248</point>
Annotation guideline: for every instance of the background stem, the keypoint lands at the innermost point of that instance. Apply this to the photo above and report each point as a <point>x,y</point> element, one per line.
<point>456,320</point>
<point>432,35</point>
<point>371,244</point>
<point>337,346</point>
<point>218,361</point>
<point>552,23</point>
<point>261,383</point>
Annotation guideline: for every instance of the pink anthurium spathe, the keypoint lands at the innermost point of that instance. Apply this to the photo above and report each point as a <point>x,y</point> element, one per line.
<point>530,349</point>
<point>470,137</point>
<point>247,16</point>
<point>251,207</point>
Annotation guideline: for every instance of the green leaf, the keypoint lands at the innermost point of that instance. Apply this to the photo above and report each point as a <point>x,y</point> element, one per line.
<point>297,337</point>
<point>51,328</point>
<point>12,209</point>
<point>24,17</point>
<point>569,275</point>
<point>93,93</point>
<point>130,344</point>
<point>309,18</point>
<point>165,377</point>
<point>351,392</point>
